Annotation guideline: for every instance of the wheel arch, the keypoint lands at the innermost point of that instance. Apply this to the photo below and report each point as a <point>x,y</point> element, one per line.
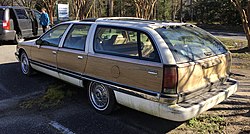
<point>20,51</point>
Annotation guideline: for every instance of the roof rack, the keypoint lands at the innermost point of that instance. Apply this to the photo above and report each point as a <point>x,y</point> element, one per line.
<point>120,19</point>
<point>90,19</point>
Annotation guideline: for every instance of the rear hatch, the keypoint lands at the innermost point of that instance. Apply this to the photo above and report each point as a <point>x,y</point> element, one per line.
<point>202,61</point>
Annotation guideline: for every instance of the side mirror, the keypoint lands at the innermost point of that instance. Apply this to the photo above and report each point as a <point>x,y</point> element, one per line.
<point>39,43</point>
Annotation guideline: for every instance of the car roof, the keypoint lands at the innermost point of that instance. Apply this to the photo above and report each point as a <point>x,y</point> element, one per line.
<point>16,7</point>
<point>128,21</point>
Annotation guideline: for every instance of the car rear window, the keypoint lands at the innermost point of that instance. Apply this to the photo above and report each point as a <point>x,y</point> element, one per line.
<point>189,43</point>
<point>1,14</point>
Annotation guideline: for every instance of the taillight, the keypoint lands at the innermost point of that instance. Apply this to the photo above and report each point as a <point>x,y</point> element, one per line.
<point>6,25</point>
<point>170,80</point>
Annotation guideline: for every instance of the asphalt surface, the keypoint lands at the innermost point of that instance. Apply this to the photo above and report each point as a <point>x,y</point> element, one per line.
<point>237,36</point>
<point>75,115</point>
<point>12,82</point>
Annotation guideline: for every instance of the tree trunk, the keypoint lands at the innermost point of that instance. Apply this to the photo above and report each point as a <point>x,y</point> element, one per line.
<point>111,8</point>
<point>245,17</point>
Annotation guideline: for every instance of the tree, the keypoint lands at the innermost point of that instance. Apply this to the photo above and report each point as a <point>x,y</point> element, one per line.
<point>110,8</point>
<point>77,7</point>
<point>243,8</point>
<point>50,6</point>
<point>176,5</point>
<point>144,8</point>
<point>5,2</point>
<point>26,3</point>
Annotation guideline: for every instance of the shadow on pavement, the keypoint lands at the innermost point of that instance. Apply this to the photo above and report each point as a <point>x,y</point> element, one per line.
<point>7,43</point>
<point>13,83</point>
<point>145,122</point>
<point>242,50</point>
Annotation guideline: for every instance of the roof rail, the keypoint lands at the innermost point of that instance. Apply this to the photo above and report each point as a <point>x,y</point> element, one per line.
<point>119,19</point>
<point>90,19</point>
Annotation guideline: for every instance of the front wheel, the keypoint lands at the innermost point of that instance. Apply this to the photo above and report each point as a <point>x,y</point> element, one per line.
<point>101,98</point>
<point>25,65</point>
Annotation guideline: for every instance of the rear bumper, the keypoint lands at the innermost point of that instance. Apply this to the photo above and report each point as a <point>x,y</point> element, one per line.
<point>7,35</point>
<point>180,111</point>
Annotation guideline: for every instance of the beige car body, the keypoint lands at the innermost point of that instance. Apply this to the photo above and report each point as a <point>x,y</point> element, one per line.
<point>136,83</point>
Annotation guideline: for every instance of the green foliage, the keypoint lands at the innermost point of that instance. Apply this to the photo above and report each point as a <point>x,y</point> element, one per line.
<point>214,11</point>
<point>207,124</point>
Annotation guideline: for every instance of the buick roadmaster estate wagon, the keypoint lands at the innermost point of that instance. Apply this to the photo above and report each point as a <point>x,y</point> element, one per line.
<point>170,70</point>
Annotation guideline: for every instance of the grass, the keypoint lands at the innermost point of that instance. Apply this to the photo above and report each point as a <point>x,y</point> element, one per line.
<point>233,44</point>
<point>207,124</point>
<point>241,55</point>
<point>239,51</point>
<point>54,96</point>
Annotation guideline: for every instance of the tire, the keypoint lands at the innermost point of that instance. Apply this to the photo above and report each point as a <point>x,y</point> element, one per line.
<point>25,64</point>
<point>101,98</point>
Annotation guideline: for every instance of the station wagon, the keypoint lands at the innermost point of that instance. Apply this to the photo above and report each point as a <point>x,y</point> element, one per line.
<point>173,71</point>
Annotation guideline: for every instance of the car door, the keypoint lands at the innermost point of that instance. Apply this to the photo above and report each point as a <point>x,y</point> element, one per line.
<point>125,57</point>
<point>37,18</point>
<point>71,56</point>
<point>33,21</point>
<point>24,22</point>
<point>45,53</point>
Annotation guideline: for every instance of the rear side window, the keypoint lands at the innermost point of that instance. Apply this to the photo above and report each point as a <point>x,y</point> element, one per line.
<point>125,43</point>
<point>21,14</point>
<point>76,38</point>
<point>190,43</point>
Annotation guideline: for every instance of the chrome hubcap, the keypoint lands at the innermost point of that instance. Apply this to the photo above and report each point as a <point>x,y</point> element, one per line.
<point>99,96</point>
<point>25,64</point>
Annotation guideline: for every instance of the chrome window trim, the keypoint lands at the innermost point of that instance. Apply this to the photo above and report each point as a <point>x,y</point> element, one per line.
<point>64,35</point>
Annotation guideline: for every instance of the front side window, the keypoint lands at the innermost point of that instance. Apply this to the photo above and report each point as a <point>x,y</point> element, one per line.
<point>76,38</point>
<point>53,37</point>
<point>124,42</point>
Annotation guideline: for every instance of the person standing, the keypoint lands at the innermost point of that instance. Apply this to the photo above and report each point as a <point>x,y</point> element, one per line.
<point>44,20</point>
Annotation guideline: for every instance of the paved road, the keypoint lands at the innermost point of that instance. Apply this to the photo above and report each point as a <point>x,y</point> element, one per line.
<point>237,36</point>
<point>12,82</point>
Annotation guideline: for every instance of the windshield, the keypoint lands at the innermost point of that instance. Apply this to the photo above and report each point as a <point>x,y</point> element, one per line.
<point>189,43</point>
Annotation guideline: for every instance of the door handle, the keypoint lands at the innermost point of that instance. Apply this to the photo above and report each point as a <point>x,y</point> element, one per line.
<point>80,57</point>
<point>153,72</point>
<point>54,52</point>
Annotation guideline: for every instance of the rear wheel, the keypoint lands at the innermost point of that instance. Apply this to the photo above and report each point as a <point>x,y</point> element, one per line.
<point>25,65</point>
<point>101,98</point>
